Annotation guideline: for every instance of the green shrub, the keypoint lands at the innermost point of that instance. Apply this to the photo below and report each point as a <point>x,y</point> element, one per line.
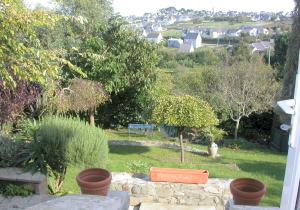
<point>9,149</point>
<point>61,142</point>
<point>14,190</point>
<point>136,167</point>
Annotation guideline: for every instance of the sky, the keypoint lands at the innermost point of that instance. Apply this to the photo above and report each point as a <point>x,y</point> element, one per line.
<point>139,7</point>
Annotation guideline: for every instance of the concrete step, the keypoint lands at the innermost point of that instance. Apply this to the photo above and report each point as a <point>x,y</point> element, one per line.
<point>162,206</point>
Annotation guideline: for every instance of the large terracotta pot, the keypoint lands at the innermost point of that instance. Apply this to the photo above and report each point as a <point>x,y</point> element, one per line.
<point>94,181</point>
<point>186,176</point>
<point>247,191</point>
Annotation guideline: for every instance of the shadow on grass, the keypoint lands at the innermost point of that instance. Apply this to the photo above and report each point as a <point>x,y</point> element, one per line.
<point>274,170</point>
<point>242,144</point>
<point>125,150</point>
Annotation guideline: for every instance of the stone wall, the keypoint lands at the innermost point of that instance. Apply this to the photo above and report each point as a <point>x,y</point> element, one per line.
<point>215,193</point>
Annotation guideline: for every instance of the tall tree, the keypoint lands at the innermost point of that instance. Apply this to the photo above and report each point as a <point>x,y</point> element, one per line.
<point>124,63</point>
<point>95,11</point>
<point>20,52</point>
<point>247,87</point>
<point>278,60</point>
<point>292,55</point>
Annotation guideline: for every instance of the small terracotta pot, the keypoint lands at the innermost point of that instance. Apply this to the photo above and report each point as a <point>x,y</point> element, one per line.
<point>186,176</point>
<point>94,181</point>
<point>247,191</point>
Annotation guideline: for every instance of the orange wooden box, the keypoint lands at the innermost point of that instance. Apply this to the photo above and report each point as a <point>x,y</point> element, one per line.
<point>187,176</point>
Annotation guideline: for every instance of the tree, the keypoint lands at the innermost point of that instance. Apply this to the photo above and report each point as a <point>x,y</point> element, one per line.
<point>278,60</point>
<point>184,112</point>
<point>21,54</point>
<point>247,87</point>
<point>95,11</point>
<point>291,66</point>
<point>14,100</point>
<point>124,63</point>
<point>81,96</point>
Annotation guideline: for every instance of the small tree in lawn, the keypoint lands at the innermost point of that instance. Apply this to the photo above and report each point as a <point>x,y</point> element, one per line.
<point>184,112</point>
<point>247,87</point>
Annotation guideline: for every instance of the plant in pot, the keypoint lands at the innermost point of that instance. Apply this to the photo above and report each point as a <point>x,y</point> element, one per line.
<point>213,135</point>
<point>247,191</point>
<point>61,142</point>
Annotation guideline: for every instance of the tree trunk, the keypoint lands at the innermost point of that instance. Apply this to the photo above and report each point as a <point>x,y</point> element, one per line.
<point>92,117</point>
<point>237,125</point>
<point>181,145</point>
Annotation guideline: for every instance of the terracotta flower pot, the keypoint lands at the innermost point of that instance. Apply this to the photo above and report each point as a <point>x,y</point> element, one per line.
<point>247,191</point>
<point>94,181</point>
<point>187,176</point>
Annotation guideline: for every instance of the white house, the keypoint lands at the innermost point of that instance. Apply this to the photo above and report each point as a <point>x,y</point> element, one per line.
<point>193,39</point>
<point>155,37</point>
<point>182,18</point>
<point>250,30</point>
<point>234,32</point>
<point>186,48</point>
<point>175,43</point>
<point>157,27</point>
<point>262,31</point>
<point>260,47</point>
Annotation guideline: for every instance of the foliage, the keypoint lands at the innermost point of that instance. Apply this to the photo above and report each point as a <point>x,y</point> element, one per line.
<point>138,166</point>
<point>78,99</point>
<point>123,62</point>
<point>247,87</point>
<point>27,129</point>
<point>162,87</point>
<point>171,59</point>
<point>9,150</point>
<point>182,112</point>
<point>213,134</point>
<point>62,142</point>
<point>14,100</point>
<point>202,83</point>
<point>278,60</point>
<point>95,11</point>
<point>291,66</point>
<point>20,51</point>
<point>14,190</point>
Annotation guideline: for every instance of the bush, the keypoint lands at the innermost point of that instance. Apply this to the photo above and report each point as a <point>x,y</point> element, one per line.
<point>14,190</point>
<point>61,142</point>
<point>8,151</point>
<point>139,166</point>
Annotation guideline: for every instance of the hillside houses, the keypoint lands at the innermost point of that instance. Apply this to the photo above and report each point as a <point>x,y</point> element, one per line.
<point>260,47</point>
<point>233,32</point>
<point>186,48</point>
<point>155,37</point>
<point>175,43</point>
<point>193,39</point>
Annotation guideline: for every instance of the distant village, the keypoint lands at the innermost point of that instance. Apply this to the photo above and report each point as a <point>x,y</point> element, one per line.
<point>152,26</point>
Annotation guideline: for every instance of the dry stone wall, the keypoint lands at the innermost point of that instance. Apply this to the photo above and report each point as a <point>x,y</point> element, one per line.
<point>215,193</point>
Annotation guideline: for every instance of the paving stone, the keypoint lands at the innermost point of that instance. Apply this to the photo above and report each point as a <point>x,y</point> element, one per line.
<point>160,206</point>
<point>114,201</point>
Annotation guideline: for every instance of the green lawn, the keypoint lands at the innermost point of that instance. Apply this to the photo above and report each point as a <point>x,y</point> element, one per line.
<point>218,24</point>
<point>265,165</point>
<point>122,134</point>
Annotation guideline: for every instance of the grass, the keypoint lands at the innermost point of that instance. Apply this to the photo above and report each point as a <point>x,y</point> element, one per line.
<point>122,134</point>
<point>173,33</point>
<point>246,160</point>
<point>218,24</point>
